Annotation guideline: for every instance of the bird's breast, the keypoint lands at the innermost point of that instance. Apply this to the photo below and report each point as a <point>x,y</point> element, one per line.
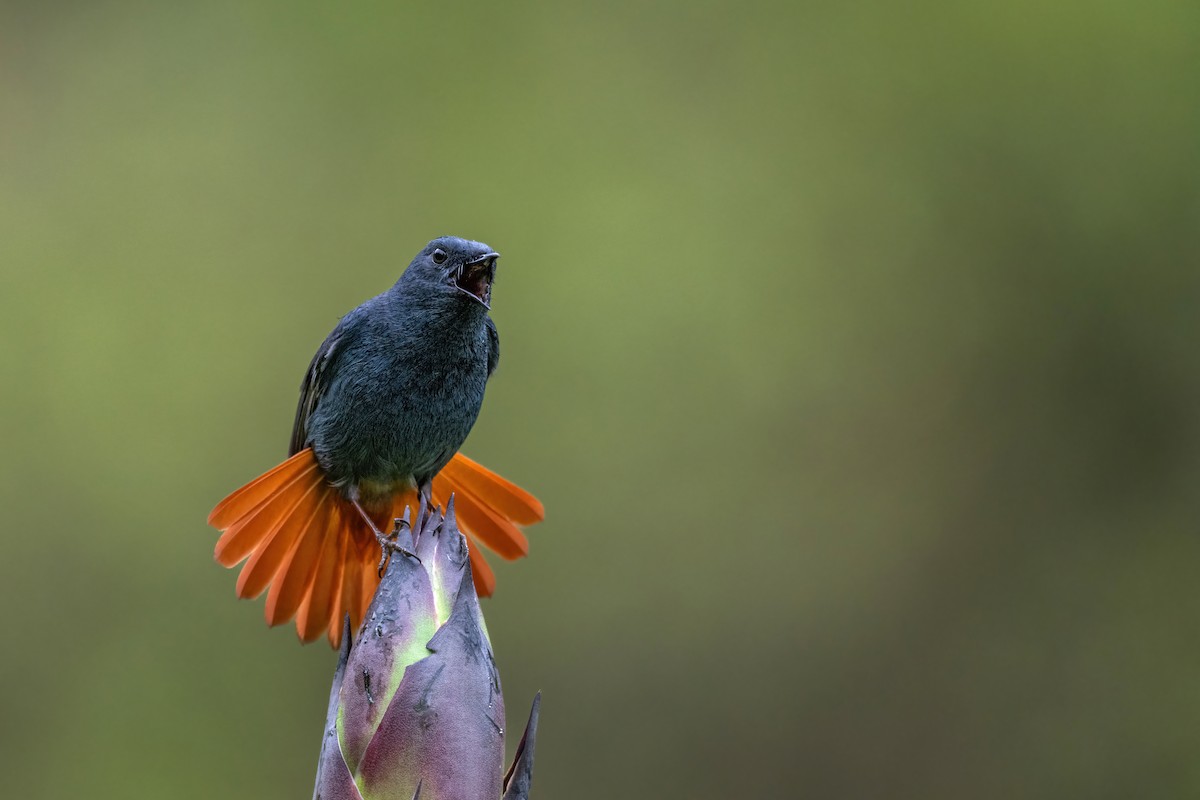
<point>398,410</point>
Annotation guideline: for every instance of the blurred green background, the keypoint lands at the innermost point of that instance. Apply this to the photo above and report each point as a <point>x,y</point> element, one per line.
<point>852,348</point>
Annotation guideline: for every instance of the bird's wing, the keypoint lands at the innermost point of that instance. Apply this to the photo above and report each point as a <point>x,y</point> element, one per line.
<point>494,348</point>
<point>317,379</point>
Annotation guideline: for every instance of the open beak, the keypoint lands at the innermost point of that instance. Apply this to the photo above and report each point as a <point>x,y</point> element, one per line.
<point>475,278</point>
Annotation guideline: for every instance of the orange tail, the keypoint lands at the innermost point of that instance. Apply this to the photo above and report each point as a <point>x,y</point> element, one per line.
<point>305,542</point>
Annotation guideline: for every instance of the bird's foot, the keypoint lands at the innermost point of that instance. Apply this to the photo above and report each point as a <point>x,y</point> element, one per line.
<point>387,544</point>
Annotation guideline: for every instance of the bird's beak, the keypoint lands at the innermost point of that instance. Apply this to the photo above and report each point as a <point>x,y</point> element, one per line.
<point>475,278</point>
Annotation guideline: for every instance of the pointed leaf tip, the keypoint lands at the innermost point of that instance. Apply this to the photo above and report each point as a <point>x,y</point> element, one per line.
<point>334,781</point>
<point>427,538</point>
<point>405,531</point>
<point>520,775</point>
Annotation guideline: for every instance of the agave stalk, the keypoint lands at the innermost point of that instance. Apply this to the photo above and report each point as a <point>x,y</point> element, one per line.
<point>415,710</point>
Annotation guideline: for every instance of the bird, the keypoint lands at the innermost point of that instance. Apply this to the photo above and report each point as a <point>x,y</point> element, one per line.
<point>384,408</point>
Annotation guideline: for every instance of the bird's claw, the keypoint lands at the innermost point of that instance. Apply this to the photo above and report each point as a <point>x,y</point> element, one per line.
<point>387,544</point>
<point>398,524</point>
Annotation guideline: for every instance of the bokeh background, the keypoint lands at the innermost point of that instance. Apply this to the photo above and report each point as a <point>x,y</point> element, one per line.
<point>851,346</point>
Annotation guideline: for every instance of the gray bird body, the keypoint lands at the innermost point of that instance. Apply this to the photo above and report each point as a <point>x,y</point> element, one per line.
<point>396,387</point>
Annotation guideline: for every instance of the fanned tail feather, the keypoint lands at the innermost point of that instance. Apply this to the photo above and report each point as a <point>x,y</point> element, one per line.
<point>294,578</point>
<point>502,496</point>
<point>325,584</point>
<point>301,539</point>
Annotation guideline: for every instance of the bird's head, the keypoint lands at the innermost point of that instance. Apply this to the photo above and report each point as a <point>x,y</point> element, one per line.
<point>456,266</point>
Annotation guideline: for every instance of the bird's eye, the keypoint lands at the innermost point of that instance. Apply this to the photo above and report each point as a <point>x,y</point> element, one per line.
<point>439,256</point>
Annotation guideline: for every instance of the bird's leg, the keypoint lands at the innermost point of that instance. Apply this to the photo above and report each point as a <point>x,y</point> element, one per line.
<point>425,493</point>
<point>387,544</point>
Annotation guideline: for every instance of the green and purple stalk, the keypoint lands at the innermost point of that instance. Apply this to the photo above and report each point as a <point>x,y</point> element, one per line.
<point>415,710</point>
